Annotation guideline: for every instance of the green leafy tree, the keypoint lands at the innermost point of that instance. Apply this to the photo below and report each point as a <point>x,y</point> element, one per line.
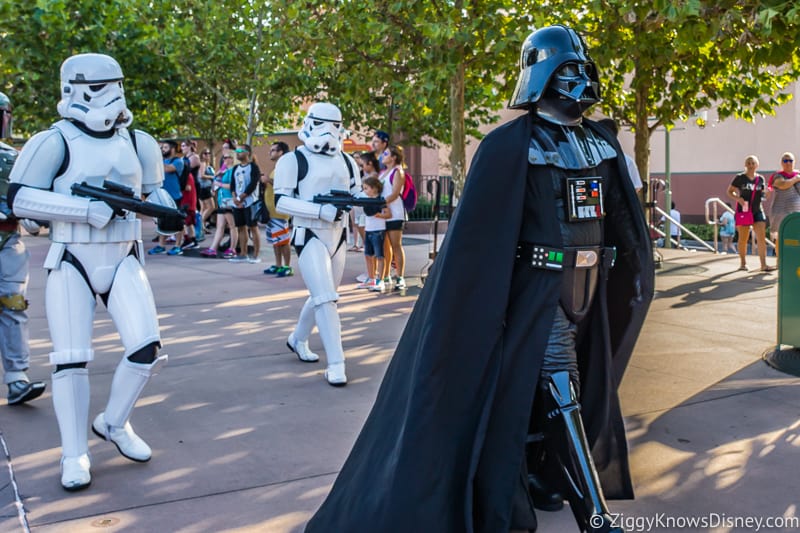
<point>239,74</point>
<point>424,71</point>
<point>56,29</point>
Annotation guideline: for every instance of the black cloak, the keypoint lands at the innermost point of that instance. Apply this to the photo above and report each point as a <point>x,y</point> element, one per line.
<point>442,447</point>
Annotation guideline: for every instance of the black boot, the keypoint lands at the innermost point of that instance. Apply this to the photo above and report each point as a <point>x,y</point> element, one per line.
<point>545,496</point>
<point>567,441</point>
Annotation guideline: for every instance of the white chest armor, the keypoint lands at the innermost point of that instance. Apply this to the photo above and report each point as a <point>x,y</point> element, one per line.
<point>94,160</point>
<point>325,173</point>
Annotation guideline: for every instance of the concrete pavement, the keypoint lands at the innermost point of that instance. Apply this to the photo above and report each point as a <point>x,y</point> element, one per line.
<point>247,438</point>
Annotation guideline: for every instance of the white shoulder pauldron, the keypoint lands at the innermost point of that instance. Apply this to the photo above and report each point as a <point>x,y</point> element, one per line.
<point>570,148</point>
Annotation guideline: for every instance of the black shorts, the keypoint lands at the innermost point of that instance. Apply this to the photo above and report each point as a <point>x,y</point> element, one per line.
<point>394,225</point>
<point>204,193</point>
<point>243,217</point>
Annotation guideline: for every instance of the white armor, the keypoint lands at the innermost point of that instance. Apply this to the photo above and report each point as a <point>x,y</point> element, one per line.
<point>319,237</point>
<point>92,252</point>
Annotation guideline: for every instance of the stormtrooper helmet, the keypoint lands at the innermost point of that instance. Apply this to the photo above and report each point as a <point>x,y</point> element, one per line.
<point>557,77</point>
<point>322,129</point>
<point>92,93</point>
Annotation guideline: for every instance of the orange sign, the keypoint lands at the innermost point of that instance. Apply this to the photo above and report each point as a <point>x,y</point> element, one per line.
<point>350,146</point>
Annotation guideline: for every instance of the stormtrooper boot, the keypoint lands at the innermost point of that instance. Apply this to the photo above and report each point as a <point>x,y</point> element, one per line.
<point>568,442</point>
<point>112,424</point>
<point>330,331</point>
<point>71,403</point>
<point>301,349</point>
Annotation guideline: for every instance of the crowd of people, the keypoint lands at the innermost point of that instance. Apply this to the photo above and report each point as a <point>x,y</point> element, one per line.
<point>222,206</point>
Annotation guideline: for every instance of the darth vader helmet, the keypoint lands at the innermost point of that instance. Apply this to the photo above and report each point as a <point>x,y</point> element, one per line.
<point>92,93</point>
<point>558,79</point>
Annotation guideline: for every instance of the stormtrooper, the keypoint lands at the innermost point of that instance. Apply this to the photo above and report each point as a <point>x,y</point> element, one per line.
<point>95,251</point>
<point>318,167</point>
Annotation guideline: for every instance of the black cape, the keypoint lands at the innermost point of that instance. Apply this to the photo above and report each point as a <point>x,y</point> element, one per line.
<point>442,447</point>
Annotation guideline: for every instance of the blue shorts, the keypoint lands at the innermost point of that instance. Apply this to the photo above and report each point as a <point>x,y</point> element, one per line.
<point>373,243</point>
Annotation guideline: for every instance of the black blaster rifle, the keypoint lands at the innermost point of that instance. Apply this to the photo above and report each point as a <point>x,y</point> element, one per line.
<point>345,201</point>
<point>121,198</point>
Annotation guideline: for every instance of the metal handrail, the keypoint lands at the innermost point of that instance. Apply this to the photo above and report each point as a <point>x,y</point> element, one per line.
<point>714,220</point>
<point>667,216</point>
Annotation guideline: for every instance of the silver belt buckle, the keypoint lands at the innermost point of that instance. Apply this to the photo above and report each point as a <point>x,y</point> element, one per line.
<point>586,258</point>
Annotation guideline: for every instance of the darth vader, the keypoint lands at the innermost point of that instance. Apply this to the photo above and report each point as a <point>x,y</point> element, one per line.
<point>493,372</point>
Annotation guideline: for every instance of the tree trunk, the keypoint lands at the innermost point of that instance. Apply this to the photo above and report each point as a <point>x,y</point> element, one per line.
<point>252,112</point>
<point>458,157</point>
<point>641,146</point>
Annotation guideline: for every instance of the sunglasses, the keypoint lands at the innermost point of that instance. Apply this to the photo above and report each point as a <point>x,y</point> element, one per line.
<point>240,150</point>
<point>788,160</point>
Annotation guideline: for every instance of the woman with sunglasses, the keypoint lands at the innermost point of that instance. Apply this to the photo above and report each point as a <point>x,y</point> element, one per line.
<point>748,190</point>
<point>786,194</point>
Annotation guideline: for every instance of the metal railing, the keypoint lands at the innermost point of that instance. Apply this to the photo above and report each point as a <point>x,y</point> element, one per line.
<point>428,185</point>
<point>682,228</point>
<point>712,217</point>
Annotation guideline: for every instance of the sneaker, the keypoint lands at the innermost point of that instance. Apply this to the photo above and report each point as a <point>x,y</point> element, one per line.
<point>366,284</point>
<point>361,278</point>
<point>377,286</point>
<point>189,245</point>
<point>238,259</point>
<point>209,252</point>
<point>23,391</point>
<point>273,269</point>
<point>399,284</point>
<point>171,238</point>
<point>154,239</point>
<point>387,282</point>
<point>228,254</point>
<point>175,250</point>
<point>156,250</point>
<point>253,260</point>
<point>285,272</point>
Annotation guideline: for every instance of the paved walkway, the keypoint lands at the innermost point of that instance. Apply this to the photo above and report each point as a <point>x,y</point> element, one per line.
<point>246,438</point>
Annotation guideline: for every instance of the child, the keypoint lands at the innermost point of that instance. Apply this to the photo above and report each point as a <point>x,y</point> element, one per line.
<point>375,231</point>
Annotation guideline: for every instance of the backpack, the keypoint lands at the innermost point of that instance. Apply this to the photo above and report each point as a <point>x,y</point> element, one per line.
<point>408,193</point>
<point>186,173</point>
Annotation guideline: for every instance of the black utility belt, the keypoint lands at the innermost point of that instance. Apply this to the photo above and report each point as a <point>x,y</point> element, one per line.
<point>549,258</point>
